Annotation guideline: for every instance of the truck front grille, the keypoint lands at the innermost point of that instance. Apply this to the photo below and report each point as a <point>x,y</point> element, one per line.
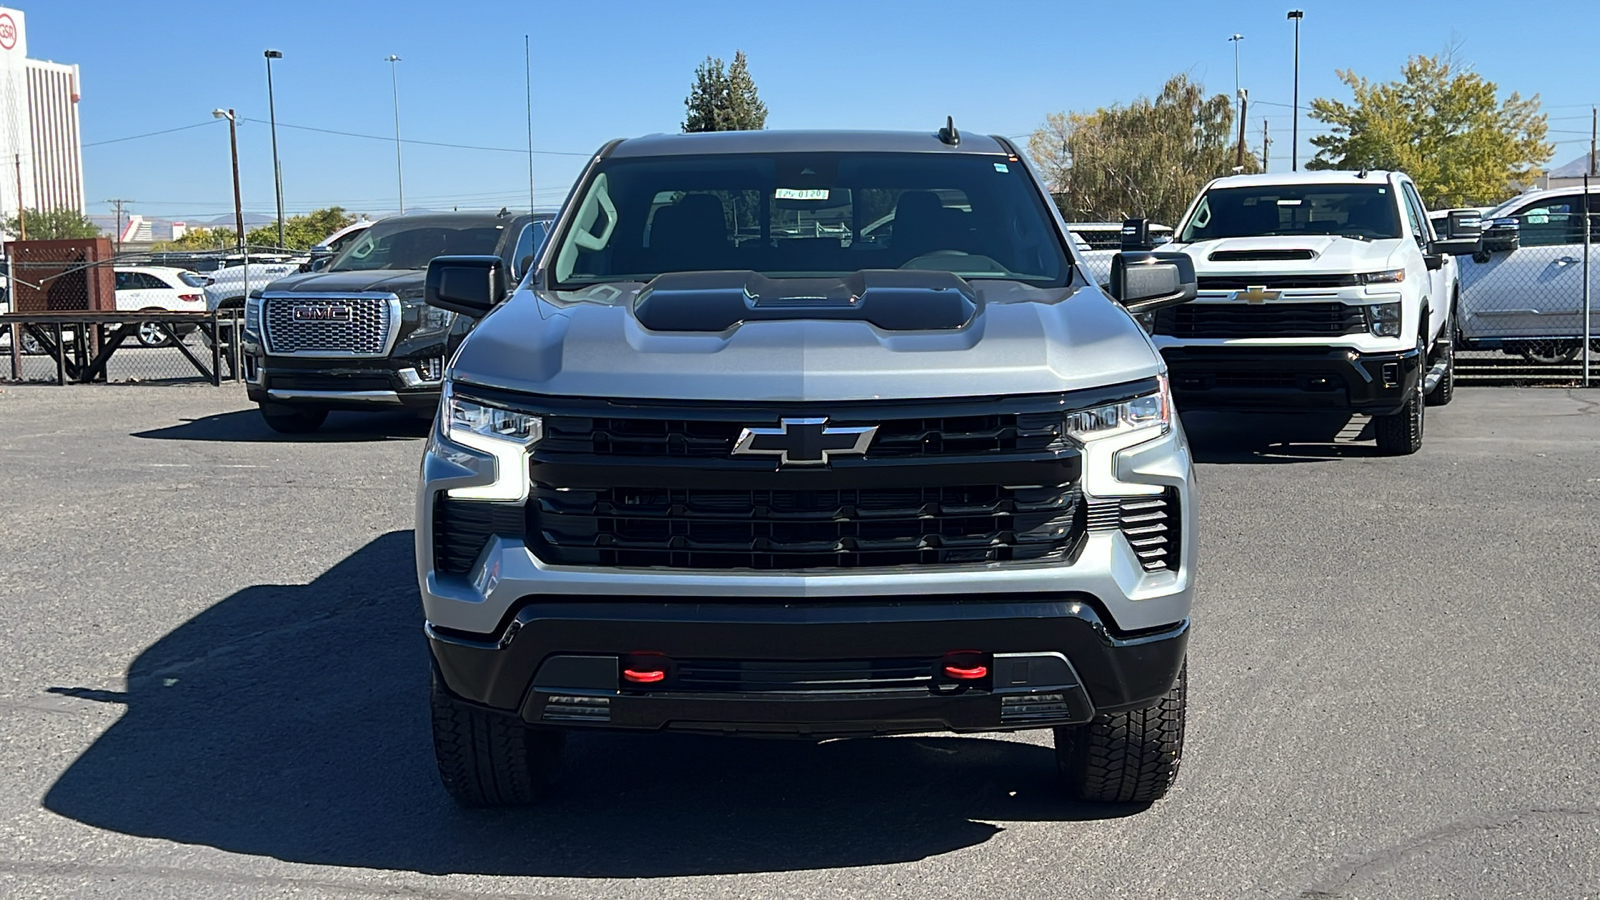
<point>801,676</point>
<point>1276,282</point>
<point>708,528</point>
<point>1247,320</point>
<point>1151,525</point>
<point>329,326</point>
<point>898,437</point>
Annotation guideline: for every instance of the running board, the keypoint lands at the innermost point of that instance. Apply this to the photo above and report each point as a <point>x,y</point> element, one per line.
<point>1435,374</point>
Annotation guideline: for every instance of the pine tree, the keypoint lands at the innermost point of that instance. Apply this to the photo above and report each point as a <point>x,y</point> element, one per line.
<point>724,99</point>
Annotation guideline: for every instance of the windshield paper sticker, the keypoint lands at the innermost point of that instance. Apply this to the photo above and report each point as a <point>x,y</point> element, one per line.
<point>1001,167</point>
<point>801,194</point>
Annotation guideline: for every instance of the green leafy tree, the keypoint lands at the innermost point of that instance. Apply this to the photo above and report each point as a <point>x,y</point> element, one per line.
<point>51,225</point>
<point>201,239</point>
<point>724,99</point>
<point>1148,158</point>
<point>1443,125</point>
<point>301,232</point>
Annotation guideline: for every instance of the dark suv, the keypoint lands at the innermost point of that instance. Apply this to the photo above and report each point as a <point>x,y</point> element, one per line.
<point>356,335</point>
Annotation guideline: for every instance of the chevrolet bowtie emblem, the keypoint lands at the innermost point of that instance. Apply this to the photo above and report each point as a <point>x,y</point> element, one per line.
<point>1257,293</point>
<point>805,442</point>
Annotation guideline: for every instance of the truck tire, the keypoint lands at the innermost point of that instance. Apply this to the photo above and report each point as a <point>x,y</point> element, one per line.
<point>489,758</point>
<point>1129,757</point>
<point>1400,434</point>
<point>292,419</point>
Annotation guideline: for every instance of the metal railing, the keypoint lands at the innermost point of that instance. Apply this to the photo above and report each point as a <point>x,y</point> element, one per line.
<point>121,347</point>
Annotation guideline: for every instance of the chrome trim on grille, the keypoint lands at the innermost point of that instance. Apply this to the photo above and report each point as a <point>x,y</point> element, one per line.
<point>342,396</point>
<point>391,327</point>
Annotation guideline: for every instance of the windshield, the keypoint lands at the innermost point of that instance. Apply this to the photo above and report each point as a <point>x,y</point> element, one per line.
<point>1365,211</point>
<point>412,245</point>
<point>789,215</point>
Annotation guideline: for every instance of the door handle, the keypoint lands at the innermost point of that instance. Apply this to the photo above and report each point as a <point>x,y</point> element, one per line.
<point>1568,261</point>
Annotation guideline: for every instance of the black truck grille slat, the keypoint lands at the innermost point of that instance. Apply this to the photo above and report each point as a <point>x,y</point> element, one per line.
<point>903,438</point>
<point>1275,282</point>
<point>461,528</point>
<point>708,528</point>
<point>1244,320</point>
<point>797,676</point>
<point>1151,525</point>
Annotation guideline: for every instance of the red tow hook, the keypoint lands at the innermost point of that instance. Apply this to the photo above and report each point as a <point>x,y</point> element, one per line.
<point>965,665</point>
<point>645,667</point>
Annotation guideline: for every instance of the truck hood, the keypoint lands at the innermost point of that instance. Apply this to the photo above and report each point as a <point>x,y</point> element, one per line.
<point>404,283</point>
<point>1330,255</point>
<point>589,343</point>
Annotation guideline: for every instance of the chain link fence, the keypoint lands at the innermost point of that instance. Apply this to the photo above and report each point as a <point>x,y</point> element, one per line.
<point>1526,313</point>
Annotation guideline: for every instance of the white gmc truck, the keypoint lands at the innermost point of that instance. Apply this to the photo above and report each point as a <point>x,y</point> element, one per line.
<point>1317,291</point>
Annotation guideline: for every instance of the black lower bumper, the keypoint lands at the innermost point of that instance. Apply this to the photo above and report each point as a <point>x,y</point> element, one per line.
<point>341,384</point>
<point>813,670</point>
<point>1291,378</point>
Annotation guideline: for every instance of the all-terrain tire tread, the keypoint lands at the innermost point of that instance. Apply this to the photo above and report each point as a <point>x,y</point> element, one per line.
<point>1399,434</point>
<point>489,759</point>
<point>1130,757</point>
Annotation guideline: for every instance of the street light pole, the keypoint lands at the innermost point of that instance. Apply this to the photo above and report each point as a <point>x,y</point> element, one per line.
<point>1294,130</point>
<point>1238,95</point>
<point>272,114</point>
<point>238,204</point>
<point>399,168</point>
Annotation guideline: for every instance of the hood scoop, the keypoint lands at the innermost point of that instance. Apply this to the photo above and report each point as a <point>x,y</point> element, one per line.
<point>1261,255</point>
<point>890,299</point>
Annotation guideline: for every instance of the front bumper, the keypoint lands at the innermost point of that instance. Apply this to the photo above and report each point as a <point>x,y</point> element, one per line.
<point>1292,378</point>
<point>350,384</point>
<point>1054,662</point>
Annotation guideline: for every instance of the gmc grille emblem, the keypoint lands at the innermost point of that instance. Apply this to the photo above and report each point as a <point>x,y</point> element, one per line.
<point>322,314</point>
<point>805,442</point>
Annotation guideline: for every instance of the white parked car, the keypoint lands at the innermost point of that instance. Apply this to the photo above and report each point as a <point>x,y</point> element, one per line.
<point>1317,291</point>
<point>1525,297</point>
<point>159,288</point>
<point>229,285</point>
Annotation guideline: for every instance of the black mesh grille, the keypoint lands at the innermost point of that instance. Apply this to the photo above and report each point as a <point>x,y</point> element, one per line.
<point>1275,282</point>
<point>1243,320</point>
<point>790,676</point>
<point>799,529</point>
<point>462,527</point>
<point>357,326</point>
<point>897,438</point>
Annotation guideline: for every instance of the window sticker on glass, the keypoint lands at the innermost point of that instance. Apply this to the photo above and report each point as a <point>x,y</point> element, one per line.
<point>800,194</point>
<point>1001,167</point>
<point>1289,202</point>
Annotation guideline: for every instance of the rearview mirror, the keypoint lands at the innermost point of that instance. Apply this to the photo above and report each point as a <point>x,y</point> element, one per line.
<point>1136,234</point>
<point>1144,281</point>
<point>470,285</point>
<point>1501,235</point>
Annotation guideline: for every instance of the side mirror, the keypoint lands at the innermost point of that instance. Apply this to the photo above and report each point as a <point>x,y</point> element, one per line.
<point>523,265</point>
<point>470,285</point>
<point>1501,235</point>
<point>1144,282</point>
<point>1136,234</point>
<point>1465,228</point>
<point>320,263</point>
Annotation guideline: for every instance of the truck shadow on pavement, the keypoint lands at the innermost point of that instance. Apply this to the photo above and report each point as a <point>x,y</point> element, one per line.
<point>291,722</point>
<point>1268,438</point>
<point>246,425</point>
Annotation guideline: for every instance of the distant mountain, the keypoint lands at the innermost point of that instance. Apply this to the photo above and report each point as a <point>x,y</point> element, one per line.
<point>251,220</point>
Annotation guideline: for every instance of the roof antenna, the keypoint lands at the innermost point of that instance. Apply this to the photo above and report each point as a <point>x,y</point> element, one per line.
<point>504,211</point>
<point>1362,173</point>
<point>948,134</point>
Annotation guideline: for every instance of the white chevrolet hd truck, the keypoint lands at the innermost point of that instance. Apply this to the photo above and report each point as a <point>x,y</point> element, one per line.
<point>1317,291</point>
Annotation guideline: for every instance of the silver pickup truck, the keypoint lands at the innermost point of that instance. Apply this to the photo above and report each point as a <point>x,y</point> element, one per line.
<point>726,462</point>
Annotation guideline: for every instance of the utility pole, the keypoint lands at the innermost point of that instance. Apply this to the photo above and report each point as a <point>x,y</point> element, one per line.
<point>1234,40</point>
<point>1594,130</point>
<point>1244,104</point>
<point>399,169</point>
<point>22,208</point>
<point>1266,145</point>
<point>238,205</point>
<point>118,204</point>
<point>1294,131</point>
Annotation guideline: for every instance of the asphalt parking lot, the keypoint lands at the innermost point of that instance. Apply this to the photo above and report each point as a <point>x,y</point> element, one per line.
<point>213,684</point>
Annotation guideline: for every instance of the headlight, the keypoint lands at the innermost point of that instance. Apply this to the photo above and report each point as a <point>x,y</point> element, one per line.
<point>252,314</point>
<point>1151,412</point>
<point>432,318</point>
<point>1392,276</point>
<point>1383,319</point>
<point>505,434</point>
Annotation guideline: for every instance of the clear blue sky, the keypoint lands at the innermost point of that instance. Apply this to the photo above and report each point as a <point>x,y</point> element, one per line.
<point>622,67</point>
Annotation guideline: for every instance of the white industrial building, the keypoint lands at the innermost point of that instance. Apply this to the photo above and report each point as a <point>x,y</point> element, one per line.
<point>41,152</point>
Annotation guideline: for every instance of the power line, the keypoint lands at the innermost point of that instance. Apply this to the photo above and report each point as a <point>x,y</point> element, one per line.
<point>135,137</point>
<point>374,137</point>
